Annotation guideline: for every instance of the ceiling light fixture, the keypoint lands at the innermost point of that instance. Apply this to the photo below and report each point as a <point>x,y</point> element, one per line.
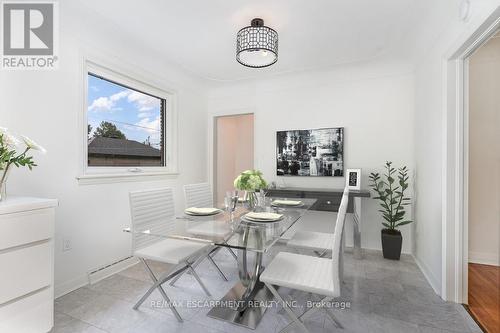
<point>257,45</point>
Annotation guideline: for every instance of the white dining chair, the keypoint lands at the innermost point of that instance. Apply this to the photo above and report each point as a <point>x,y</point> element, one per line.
<point>153,213</point>
<point>310,274</point>
<point>200,195</point>
<point>319,242</point>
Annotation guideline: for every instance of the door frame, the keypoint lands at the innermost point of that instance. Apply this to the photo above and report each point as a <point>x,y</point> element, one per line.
<point>212,172</point>
<point>456,161</point>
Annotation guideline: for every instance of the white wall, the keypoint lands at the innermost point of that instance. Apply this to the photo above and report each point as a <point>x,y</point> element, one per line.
<point>444,33</point>
<point>374,103</point>
<point>45,105</point>
<point>484,154</point>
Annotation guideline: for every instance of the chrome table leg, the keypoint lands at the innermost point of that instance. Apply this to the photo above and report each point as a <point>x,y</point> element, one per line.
<point>358,254</point>
<point>249,289</point>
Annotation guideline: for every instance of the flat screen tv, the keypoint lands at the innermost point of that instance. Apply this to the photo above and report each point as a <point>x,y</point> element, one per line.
<point>313,152</point>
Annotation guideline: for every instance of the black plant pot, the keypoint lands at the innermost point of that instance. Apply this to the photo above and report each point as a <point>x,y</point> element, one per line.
<point>391,243</point>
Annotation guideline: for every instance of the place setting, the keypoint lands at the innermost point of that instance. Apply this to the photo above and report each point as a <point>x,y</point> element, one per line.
<point>202,211</point>
<point>262,217</point>
<point>285,203</point>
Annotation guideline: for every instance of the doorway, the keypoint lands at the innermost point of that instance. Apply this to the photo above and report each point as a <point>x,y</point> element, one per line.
<point>233,151</point>
<point>455,162</point>
<point>484,184</point>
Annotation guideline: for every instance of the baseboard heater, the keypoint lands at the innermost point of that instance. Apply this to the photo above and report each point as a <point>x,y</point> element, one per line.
<point>107,270</point>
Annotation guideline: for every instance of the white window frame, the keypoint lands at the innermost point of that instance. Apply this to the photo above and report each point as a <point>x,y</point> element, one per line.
<point>134,80</point>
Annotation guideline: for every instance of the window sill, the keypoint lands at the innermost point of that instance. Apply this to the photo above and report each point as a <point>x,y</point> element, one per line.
<point>110,178</point>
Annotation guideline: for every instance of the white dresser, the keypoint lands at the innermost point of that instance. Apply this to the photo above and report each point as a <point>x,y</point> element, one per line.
<point>26,264</point>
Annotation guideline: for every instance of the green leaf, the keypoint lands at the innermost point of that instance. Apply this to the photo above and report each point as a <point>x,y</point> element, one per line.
<point>403,223</point>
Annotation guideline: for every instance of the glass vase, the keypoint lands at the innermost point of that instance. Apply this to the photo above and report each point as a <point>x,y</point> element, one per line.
<point>251,200</point>
<point>4,175</point>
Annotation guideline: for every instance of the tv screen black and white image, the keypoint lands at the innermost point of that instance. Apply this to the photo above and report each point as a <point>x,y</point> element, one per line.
<point>314,152</point>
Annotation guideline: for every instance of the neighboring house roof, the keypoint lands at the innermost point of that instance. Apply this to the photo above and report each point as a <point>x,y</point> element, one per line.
<point>113,146</point>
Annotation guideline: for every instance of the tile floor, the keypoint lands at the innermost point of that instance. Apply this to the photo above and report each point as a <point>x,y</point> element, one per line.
<point>384,296</point>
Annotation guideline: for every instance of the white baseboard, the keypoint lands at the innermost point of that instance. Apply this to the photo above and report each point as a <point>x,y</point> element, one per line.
<point>93,277</point>
<point>111,269</point>
<point>66,287</point>
<point>430,277</point>
<point>484,258</point>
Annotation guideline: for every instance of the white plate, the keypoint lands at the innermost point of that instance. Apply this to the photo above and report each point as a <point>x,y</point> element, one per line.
<point>284,206</point>
<point>198,214</point>
<point>248,219</point>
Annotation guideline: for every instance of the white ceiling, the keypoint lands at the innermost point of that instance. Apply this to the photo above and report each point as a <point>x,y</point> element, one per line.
<point>199,35</point>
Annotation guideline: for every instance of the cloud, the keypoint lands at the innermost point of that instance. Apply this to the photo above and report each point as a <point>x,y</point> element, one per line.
<point>143,114</point>
<point>152,126</point>
<point>143,102</point>
<point>152,129</point>
<point>108,103</point>
<point>119,95</point>
<point>101,103</point>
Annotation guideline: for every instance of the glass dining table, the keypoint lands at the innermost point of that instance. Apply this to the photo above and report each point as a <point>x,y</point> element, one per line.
<point>244,304</point>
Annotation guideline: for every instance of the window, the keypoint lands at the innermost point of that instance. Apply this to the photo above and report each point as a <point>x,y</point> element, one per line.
<point>124,125</point>
<point>128,126</point>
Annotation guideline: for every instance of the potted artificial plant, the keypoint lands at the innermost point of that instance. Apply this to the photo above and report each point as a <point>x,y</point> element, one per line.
<point>390,188</point>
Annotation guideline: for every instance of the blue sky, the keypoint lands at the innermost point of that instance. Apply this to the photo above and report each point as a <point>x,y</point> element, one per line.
<point>136,114</point>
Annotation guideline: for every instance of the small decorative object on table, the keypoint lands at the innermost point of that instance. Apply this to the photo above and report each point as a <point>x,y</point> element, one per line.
<point>250,181</point>
<point>390,189</point>
<point>353,179</point>
<point>9,156</point>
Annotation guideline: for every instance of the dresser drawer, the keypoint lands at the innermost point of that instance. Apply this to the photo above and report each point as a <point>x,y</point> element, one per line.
<point>31,314</point>
<point>26,227</point>
<point>25,270</point>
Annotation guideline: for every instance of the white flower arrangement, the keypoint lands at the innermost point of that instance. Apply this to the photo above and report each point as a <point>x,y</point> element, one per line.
<point>32,144</point>
<point>9,140</point>
<point>9,156</point>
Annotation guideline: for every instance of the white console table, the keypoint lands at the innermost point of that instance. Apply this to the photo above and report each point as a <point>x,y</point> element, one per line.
<point>27,265</point>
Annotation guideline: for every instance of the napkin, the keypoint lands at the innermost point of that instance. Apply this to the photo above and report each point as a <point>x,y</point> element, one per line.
<point>202,211</point>
<point>286,202</point>
<point>264,216</point>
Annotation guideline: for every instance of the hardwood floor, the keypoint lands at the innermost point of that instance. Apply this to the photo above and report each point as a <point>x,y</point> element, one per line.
<point>484,296</point>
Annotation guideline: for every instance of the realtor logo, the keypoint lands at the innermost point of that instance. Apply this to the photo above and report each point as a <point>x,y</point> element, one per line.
<point>29,35</point>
